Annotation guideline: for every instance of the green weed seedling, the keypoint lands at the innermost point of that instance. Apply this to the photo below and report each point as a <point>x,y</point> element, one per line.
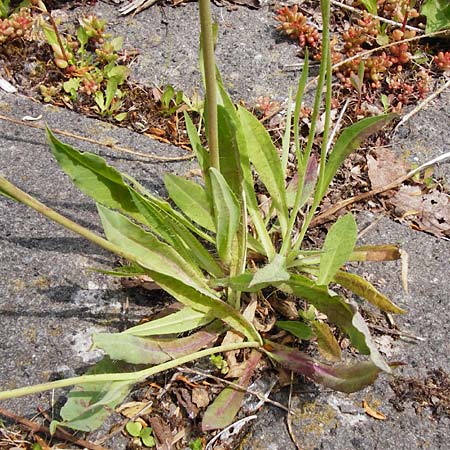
<point>214,250</point>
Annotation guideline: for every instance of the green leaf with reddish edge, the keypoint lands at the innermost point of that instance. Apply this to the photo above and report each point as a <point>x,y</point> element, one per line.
<point>191,198</point>
<point>387,252</point>
<point>364,289</point>
<point>359,323</point>
<point>273,272</point>
<point>327,344</point>
<point>308,185</point>
<point>337,248</point>
<point>264,157</point>
<point>150,253</point>
<point>185,319</point>
<point>206,303</point>
<point>437,13</point>
<point>138,350</point>
<point>223,410</point>
<point>349,140</point>
<point>344,378</point>
<point>88,405</point>
<point>299,329</point>
<point>226,214</point>
<point>174,232</point>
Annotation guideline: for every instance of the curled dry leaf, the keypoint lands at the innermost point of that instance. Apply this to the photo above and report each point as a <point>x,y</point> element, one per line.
<point>373,412</point>
<point>200,397</point>
<point>431,210</point>
<point>384,167</point>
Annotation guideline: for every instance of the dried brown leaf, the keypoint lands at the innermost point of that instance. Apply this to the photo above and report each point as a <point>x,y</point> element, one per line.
<point>373,412</point>
<point>384,167</point>
<point>200,397</point>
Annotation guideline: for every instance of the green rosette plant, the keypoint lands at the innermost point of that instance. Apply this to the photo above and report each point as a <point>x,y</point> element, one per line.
<point>212,248</point>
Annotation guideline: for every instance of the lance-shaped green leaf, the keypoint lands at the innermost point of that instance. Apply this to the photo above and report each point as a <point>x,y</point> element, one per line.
<point>229,157</point>
<point>185,319</point>
<point>139,350</point>
<point>150,253</point>
<point>359,323</point>
<point>207,303</point>
<point>265,159</point>
<point>299,329</point>
<point>93,176</point>
<point>337,248</point>
<point>200,151</point>
<point>223,410</point>
<point>343,378</point>
<point>327,344</point>
<point>349,140</point>
<point>191,198</point>
<point>226,214</point>
<point>88,405</point>
<point>364,289</point>
<point>273,272</point>
<point>387,252</point>
<point>167,225</point>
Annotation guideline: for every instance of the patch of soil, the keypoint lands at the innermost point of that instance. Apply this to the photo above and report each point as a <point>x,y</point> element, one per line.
<point>432,392</point>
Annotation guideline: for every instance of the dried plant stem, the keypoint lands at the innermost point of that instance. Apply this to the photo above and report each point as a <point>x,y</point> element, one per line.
<point>60,434</point>
<point>242,421</point>
<point>369,52</point>
<point>258,395</point>
<point>326,215</point>
<point>97,142</point>
<point>374,16</point>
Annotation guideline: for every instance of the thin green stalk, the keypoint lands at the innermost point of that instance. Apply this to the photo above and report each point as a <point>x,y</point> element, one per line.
<point>132,377</point>
<point>325,74</point>
<point>26,199</point>
<point>207,41</point>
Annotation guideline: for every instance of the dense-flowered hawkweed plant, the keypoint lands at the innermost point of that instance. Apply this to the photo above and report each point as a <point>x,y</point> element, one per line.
<point>207,252</point>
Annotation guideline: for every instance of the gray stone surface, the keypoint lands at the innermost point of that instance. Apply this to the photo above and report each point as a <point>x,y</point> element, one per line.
<point>426,135</point>
<point>49,302</point>
<point>250,54</point>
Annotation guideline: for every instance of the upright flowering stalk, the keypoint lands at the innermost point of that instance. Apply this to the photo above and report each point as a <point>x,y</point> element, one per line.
<point>207,42</point>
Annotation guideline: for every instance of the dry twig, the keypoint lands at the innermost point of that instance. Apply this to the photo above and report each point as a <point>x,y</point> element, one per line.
<point>94,141</point>
<point>374,16</point>
<point>326,215</point>
<point>60,434</point>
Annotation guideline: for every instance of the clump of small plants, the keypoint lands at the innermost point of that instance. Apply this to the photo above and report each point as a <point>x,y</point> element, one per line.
<point>400,71</point>
<point>89,67</point>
